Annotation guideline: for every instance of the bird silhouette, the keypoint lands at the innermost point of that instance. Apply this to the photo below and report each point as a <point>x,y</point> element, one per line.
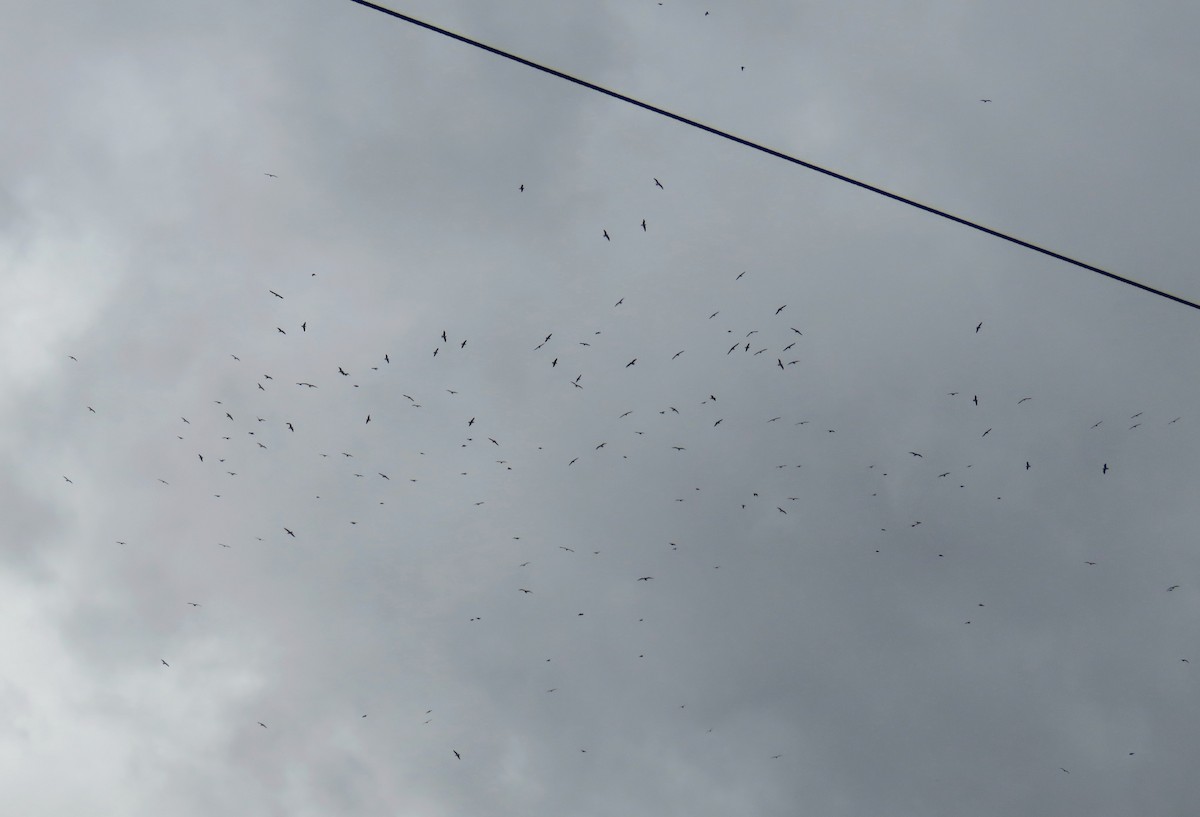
<point>658,184</point>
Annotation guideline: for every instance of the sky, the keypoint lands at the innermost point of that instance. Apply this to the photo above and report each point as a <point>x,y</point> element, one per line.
<point>389,428</point>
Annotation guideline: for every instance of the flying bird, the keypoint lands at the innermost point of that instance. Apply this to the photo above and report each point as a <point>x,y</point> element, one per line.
<point>164,662</point>
<point>645,578</point>
<point>986,433</point>
<point>977,328</point>
<point>68,480</point>
<point>643,225</point>
<point>289,533</point>
<point>1023,399</point>
<point>657,183</point>
<point>276,294</point>
<point>1172,587</point>
<point>780,309</point>
<point>606,238</point>
<point>630,363</point>
<point>1105,469</point>
<point>915,454</point>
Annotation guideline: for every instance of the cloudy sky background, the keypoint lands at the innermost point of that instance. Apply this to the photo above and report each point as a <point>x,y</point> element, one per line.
<point>797,608</point>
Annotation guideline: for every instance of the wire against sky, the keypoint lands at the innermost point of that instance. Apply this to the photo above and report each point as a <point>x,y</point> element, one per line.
<point>840,177</point>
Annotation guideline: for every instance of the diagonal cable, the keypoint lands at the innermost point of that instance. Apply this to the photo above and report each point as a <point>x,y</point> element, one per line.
<point>777,154</point>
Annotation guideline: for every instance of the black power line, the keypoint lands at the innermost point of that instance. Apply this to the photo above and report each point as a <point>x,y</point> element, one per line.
<point>762,148</point>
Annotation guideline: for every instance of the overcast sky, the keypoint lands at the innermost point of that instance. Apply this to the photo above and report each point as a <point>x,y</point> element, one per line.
<point>858,452</point>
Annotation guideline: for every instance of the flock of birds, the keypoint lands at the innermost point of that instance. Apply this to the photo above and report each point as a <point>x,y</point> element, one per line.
<point>222,436</point>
